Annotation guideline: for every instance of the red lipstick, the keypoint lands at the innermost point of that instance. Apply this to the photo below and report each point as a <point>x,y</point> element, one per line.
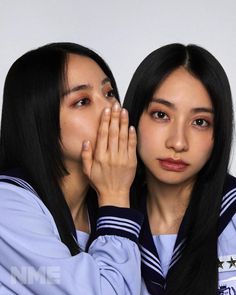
<point>173,165</point>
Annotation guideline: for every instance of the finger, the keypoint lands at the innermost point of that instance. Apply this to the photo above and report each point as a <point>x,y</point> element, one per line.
<point>132,143</point>
<point>87,158</point>
<point>124,127</point>
<point>103,130</point>
<point>114,129</point>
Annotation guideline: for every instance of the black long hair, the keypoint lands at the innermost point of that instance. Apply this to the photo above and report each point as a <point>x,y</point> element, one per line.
<point>196,271</point>
<point>30,126</point>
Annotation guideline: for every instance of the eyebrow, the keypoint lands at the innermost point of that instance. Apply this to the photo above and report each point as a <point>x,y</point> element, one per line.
<point>172,106</point>
<point>85,86</point>
<point>164,102</point>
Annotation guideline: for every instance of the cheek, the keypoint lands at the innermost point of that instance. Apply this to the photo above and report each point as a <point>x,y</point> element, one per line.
<point>208,148</point>
<point>204,149</point>
<point>149,142</point>
<point>75,130</point>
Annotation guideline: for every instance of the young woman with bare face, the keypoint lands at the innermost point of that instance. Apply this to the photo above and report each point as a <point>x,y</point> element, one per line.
<point>68,160</point>
<point>179,100</point>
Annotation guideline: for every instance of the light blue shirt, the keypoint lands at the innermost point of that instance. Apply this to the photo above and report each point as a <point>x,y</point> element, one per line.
<point>226,254</point>
<point>226,250</point>
<point>33,260</point>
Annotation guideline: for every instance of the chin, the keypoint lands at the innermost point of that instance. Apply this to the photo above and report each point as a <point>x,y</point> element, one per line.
<point>173,178</point>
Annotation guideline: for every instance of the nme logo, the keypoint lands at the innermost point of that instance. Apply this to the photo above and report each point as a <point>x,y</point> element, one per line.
<point>30,275</point>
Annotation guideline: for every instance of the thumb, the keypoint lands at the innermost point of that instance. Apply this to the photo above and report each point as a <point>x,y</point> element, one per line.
<point>86,156</point>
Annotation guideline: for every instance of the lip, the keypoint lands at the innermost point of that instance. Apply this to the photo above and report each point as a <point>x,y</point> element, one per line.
<point>170,164</point>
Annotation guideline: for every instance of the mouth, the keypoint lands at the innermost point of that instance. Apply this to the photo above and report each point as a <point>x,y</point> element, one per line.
<point>170,164</point>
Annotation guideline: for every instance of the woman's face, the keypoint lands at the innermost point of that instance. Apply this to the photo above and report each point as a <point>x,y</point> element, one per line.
<point>175,133</point>
<point>90,91</point>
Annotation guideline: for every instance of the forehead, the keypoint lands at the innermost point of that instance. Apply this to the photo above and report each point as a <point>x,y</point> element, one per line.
<point>82,69</point>
<point>181,87</point>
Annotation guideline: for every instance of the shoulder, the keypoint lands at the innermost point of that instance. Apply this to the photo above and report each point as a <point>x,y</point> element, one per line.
<point>26,223</point>
<point>227,232</point>
<point>229,195</point>
<point>14,195</point>
<point>227,221</point>
<point>228,204</point>
<point>230,184</point>
<point>21,204</point>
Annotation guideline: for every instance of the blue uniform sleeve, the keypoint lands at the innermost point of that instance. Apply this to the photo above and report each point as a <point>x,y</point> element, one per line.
<point>227,258</point>
<point>33,260</point>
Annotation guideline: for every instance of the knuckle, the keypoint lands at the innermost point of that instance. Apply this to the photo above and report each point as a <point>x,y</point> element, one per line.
<point>115,115</point>
<point>113,160</point>
<point>132,144</point>
<point>123,137</point>
<point>97,157</point>
<point>123,161</point>
<point>124,119</point>
<point>113,133</point>
<point>102,132</point>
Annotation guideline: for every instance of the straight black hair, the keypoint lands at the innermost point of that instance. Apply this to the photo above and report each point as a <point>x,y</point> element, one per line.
<point>197,270</point>
<point>30,126</point>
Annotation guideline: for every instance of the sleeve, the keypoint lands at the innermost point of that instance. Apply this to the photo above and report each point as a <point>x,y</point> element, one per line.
<point>227,258</point>
<point>33,260</point>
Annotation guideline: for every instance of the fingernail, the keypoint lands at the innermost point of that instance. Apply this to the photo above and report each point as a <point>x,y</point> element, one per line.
<point>86,145</point>
<point>132,129</point>
<point>107,111</point>
<point>123,112</point>
<point>116,106</point>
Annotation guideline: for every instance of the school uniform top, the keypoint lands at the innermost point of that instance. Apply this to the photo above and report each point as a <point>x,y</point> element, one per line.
<point>33,259</point>
<point>160,253</point>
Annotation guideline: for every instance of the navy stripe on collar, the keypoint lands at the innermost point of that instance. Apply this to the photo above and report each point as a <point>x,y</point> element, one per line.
<point>228,205</point>
<point>151,266</point>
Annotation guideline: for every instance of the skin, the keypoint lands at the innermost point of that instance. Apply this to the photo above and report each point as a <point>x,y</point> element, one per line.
<point>96,143</point>
<point>178,125</point>
<point>90,92</point>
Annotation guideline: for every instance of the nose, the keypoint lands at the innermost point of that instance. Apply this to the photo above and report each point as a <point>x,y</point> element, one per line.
<point>177,138</point>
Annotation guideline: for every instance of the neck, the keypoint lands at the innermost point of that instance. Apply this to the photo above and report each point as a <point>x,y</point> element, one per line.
<point>75,187</point>
<point>166,204</point>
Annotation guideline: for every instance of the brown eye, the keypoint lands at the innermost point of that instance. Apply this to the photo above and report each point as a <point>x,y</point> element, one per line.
<point>201,123</point>
<point>160,115</point>
<point>82,102</point>
<point>110,94</point>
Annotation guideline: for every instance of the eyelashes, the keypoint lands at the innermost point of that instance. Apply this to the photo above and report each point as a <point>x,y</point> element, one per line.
<point>110,94</point>
<point>200,122</point>
<point>82,102</point>
<point>160,115</point>
<point>88,99</point>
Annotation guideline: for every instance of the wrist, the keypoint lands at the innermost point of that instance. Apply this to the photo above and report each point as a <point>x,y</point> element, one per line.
<point>123,222</point>
<point>114,199</point>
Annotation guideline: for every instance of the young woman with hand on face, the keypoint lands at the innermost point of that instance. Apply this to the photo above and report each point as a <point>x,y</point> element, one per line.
<point>68,160</point>
<point>179,100</point>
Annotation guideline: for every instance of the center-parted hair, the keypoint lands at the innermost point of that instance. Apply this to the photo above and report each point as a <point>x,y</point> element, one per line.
<point>30,126</point>
<point>197,270</point>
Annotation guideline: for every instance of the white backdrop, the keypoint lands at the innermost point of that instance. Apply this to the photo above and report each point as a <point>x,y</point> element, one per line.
<point>122,31</point>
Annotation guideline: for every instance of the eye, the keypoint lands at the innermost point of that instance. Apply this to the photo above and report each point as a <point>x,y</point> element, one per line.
<point>160,115</point>
<point>82,102</point>
<point>201,123</point>
<point>110,94</point>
